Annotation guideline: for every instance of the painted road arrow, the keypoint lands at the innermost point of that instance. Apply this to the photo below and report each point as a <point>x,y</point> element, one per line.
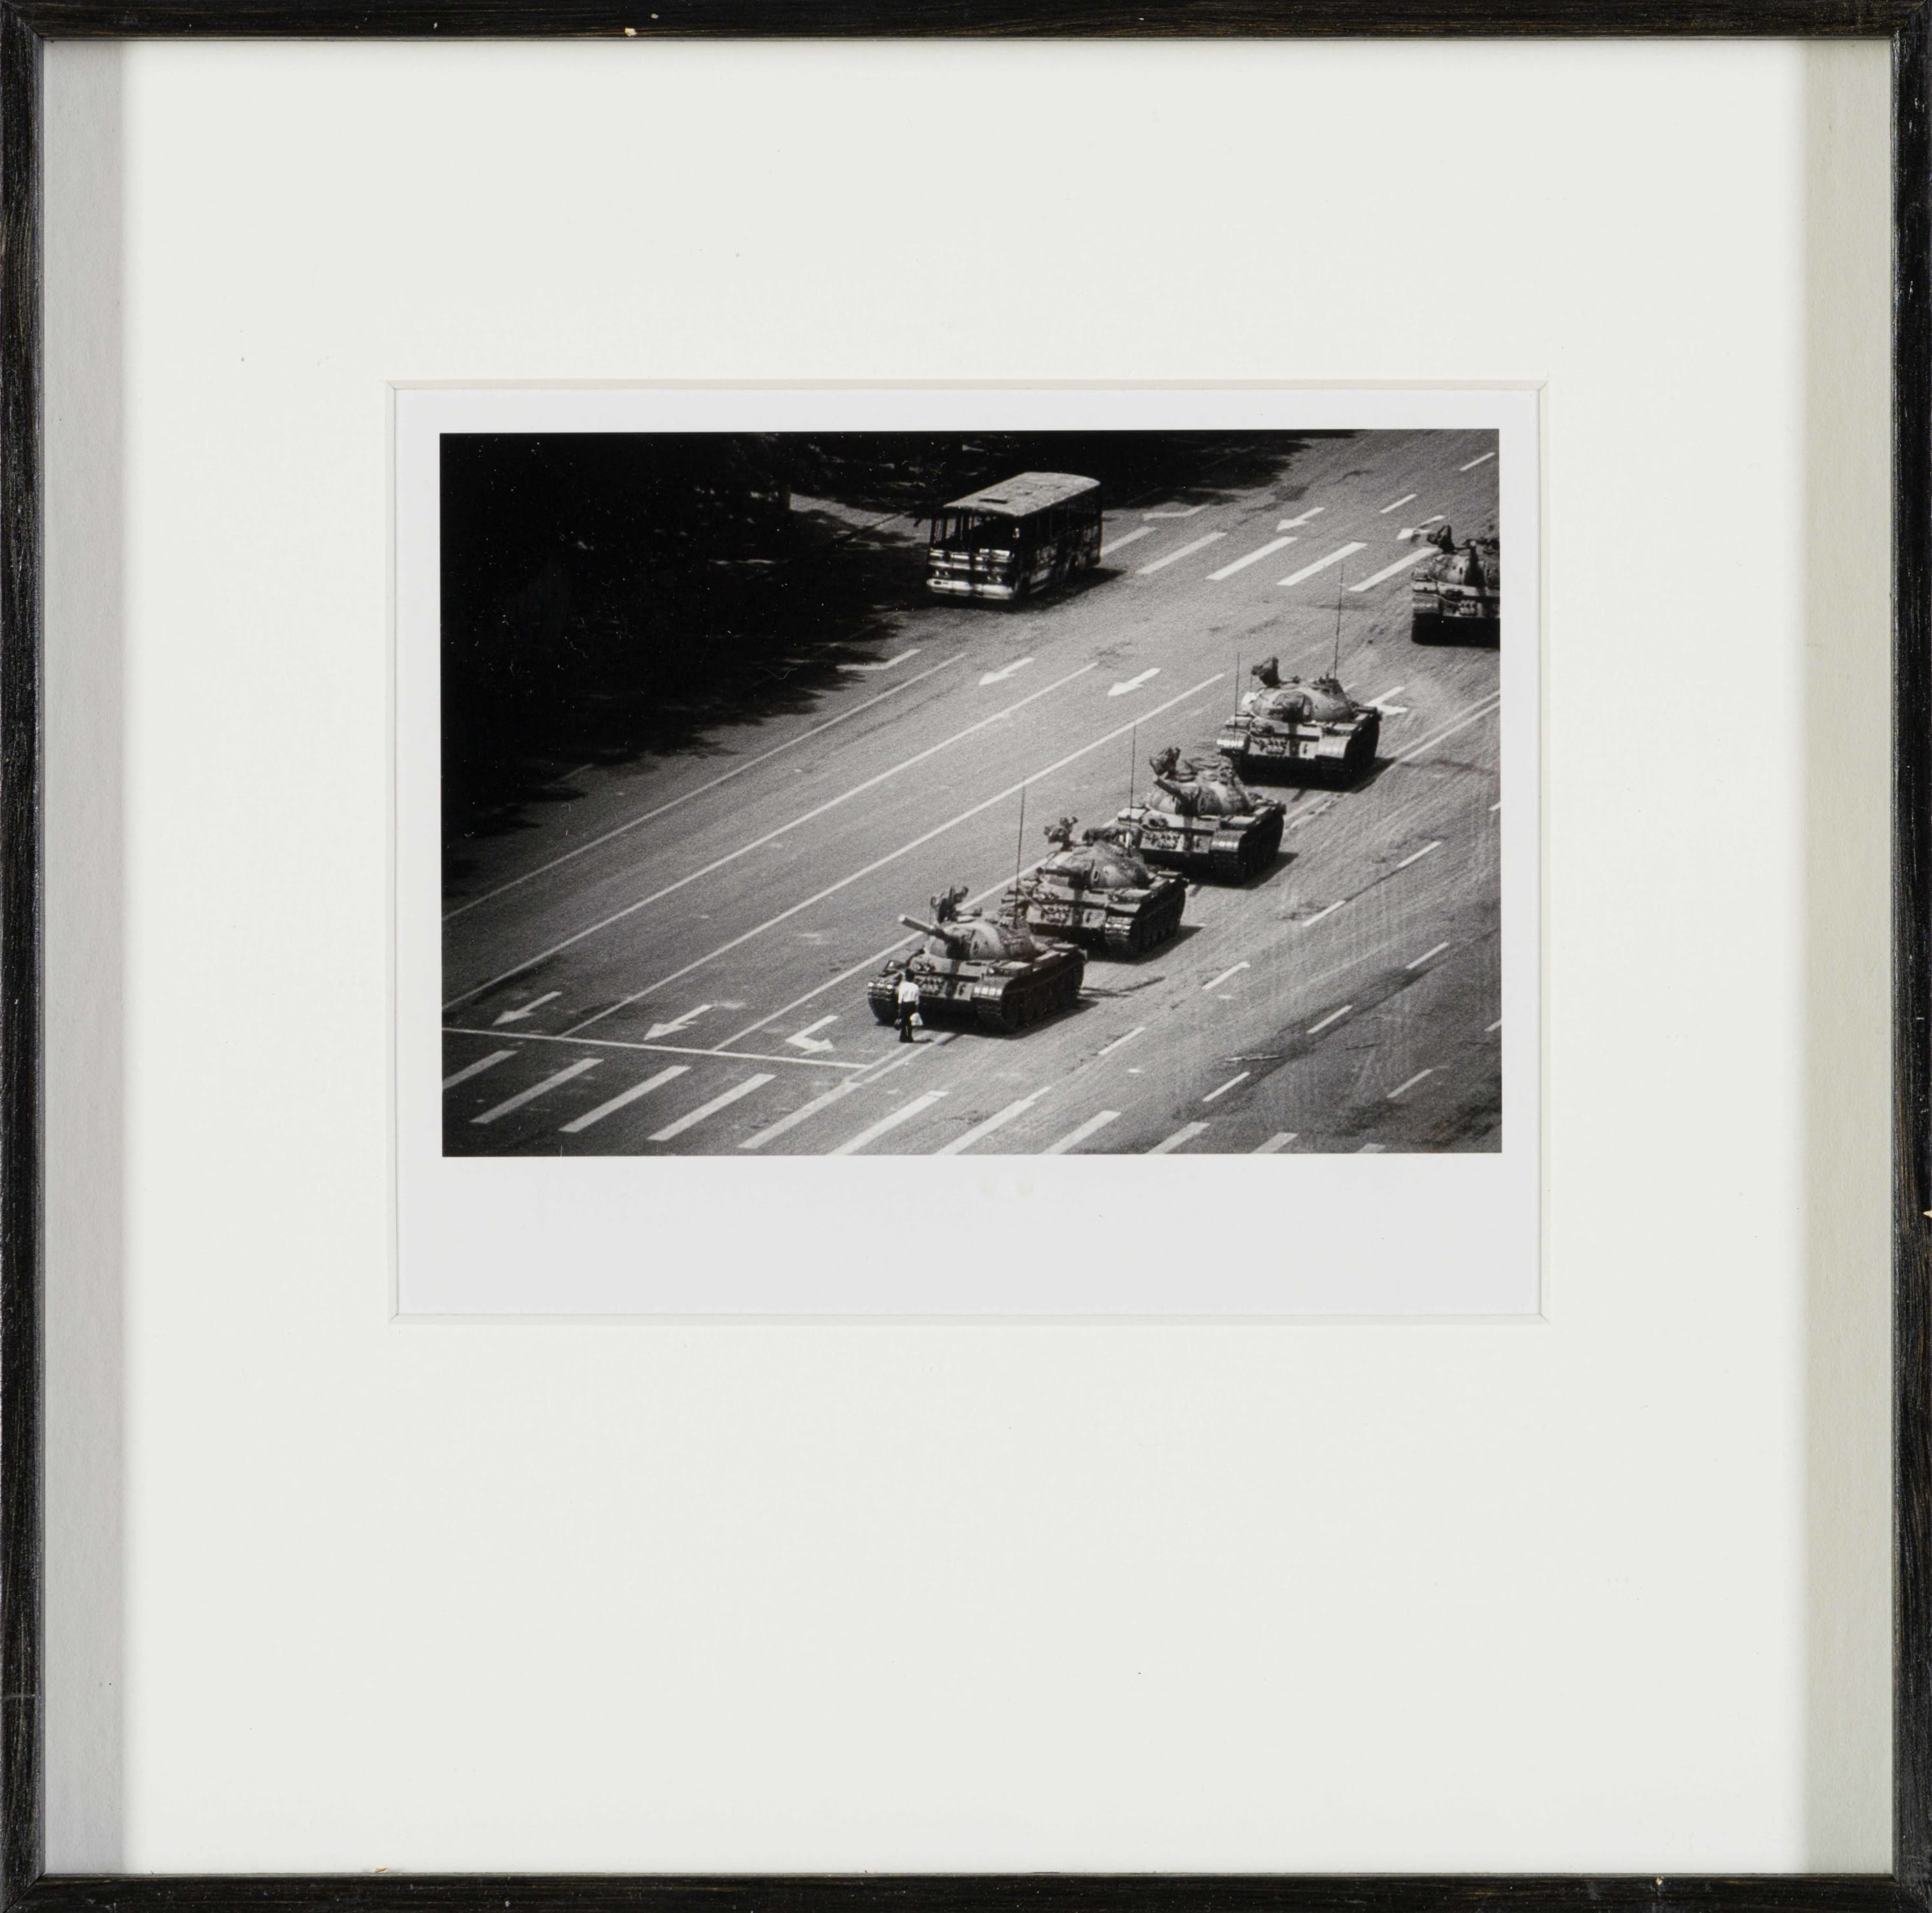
<point>684,1022</point>
<point>1134,683</point>
<point>805,1038</point>
<point>530,1009</point>
<point>885,664</point>
<point>1288,524</point>
<point>1001,675</point>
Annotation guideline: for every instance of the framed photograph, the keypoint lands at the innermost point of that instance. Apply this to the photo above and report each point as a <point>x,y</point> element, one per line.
<point>831,1071</point>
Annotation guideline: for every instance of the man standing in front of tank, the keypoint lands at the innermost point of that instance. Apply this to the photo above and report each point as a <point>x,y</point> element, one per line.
<point>908,1004</point>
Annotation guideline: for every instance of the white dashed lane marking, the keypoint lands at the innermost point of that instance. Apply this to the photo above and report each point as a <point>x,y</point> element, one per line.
<point>1215,983</point>
<point>1232,1082</point>
<point>1402,1087</point>
<point>1402,563</point>
<point>887,1123</point>
<point>1186,551</point>
<point>1474,462</point>
<point>1417,856</point>
<point>531,1094</point>
<point>1322,564</point>
<point>1416,963</point>
<point>627,1098</point>
<point>1139,1030</point>
<point>704,1109</point>
<point>998,1120</point>
<point>1333,1016</point>
<point>1186,1132</point>
<point>1407,499</point>
<point>1275,1144</point>
<point>477,1069</point>
<point>1113,545</point>
<point>1074,1138</point>
<point>1254,557</point>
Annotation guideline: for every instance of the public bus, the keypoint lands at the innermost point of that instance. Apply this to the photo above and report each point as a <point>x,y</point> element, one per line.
<point>1015,539</point>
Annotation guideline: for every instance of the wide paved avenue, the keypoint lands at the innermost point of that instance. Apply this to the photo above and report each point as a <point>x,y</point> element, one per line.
<point>677,961</point>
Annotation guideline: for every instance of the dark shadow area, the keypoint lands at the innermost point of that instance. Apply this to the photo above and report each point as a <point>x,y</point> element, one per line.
<point>609,595</point>
<point>1471,634</point>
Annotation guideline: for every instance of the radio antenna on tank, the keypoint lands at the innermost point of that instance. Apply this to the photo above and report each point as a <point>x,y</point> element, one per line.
<point>1335,669</point>
<point>1132,745</point>
<point>1019,841</point>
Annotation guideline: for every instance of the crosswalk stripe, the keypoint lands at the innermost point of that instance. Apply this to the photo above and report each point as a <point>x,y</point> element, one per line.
<point>998,1120</point>
<point>704,1109</point>
<point>624,1101</point>
<point>1323,564</point>
<point>888,1122</point>
<point>1113,545</point>
<point>1254,557</point>
<point>1186,1132</point>
<point>837,1093</point>
<point>1402,563</point>
<point>530,1095</point>
<point>477,1069</point>
<point>1275,1144</point>
<point>1186,551</point>
<point>1074,1138</point>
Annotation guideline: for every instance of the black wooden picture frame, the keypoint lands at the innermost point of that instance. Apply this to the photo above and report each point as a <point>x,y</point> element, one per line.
<point>26,24</point>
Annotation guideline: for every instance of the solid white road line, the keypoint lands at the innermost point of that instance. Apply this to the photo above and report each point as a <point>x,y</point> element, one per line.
<point>1186,1132</point>
<point>904,850</point>
<point>1410,1084</point>
<point>770,837</point>
<point>530,1095</point>
<point>488,1062</point>
<point>1232,1083</point>
<point>1407,499</point>
<point>1138,1029</point>
<point>1418,963</point>
<point>1326,910</point>
<point>750,763</point>
<point>1275,1144</point>
<point>998,1120</point>
<point>1493,1027</point>
<point>1074,1138</point>
<point>1417,856</point>
<point>1235,972</point>
<point>1395,690</point>
<point>918,1104</point>
<point>1176,557</point>
<point>631,1096</point>
<point>804,1113</point>
<point>1475,715</point>
<point>670,1049</point>
<point>1333,1016</point>
<point>1303,817</point>
<point>1255,557</point>
<point>1401,564</point>
<point>1474,462</point>
<point>710,1108</point>
<point>1322,564</point>
<point>1113,545</point>
<point>1495,806</point>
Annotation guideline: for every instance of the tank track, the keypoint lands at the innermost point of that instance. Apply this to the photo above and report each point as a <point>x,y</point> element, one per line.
<point>1021,1001</point>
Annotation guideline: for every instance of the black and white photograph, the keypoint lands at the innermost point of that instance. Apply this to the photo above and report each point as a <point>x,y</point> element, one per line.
<point>1023,793</point>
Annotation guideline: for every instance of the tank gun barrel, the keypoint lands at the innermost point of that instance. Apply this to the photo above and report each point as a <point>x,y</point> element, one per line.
<point>950,934</point>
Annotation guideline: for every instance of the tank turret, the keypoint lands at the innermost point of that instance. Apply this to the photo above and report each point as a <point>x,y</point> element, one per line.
<point>1459,590</point>
<point>1204,821</point>
<point>1308,730</point>
<point>1100,892</point>
<point>991,972</point>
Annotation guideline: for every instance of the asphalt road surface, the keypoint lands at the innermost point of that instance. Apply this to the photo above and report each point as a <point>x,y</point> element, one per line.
<point>677,961</point>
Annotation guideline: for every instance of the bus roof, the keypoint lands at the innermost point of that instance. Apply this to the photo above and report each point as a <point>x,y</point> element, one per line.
<point>1030,492</point>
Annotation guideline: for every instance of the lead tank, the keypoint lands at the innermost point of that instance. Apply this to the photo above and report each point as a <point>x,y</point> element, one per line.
<point>1309,732</point>
<point>1100,892</point>
<point>993,973</point>
<point>1205,822</point>
<point>1459,591</point>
